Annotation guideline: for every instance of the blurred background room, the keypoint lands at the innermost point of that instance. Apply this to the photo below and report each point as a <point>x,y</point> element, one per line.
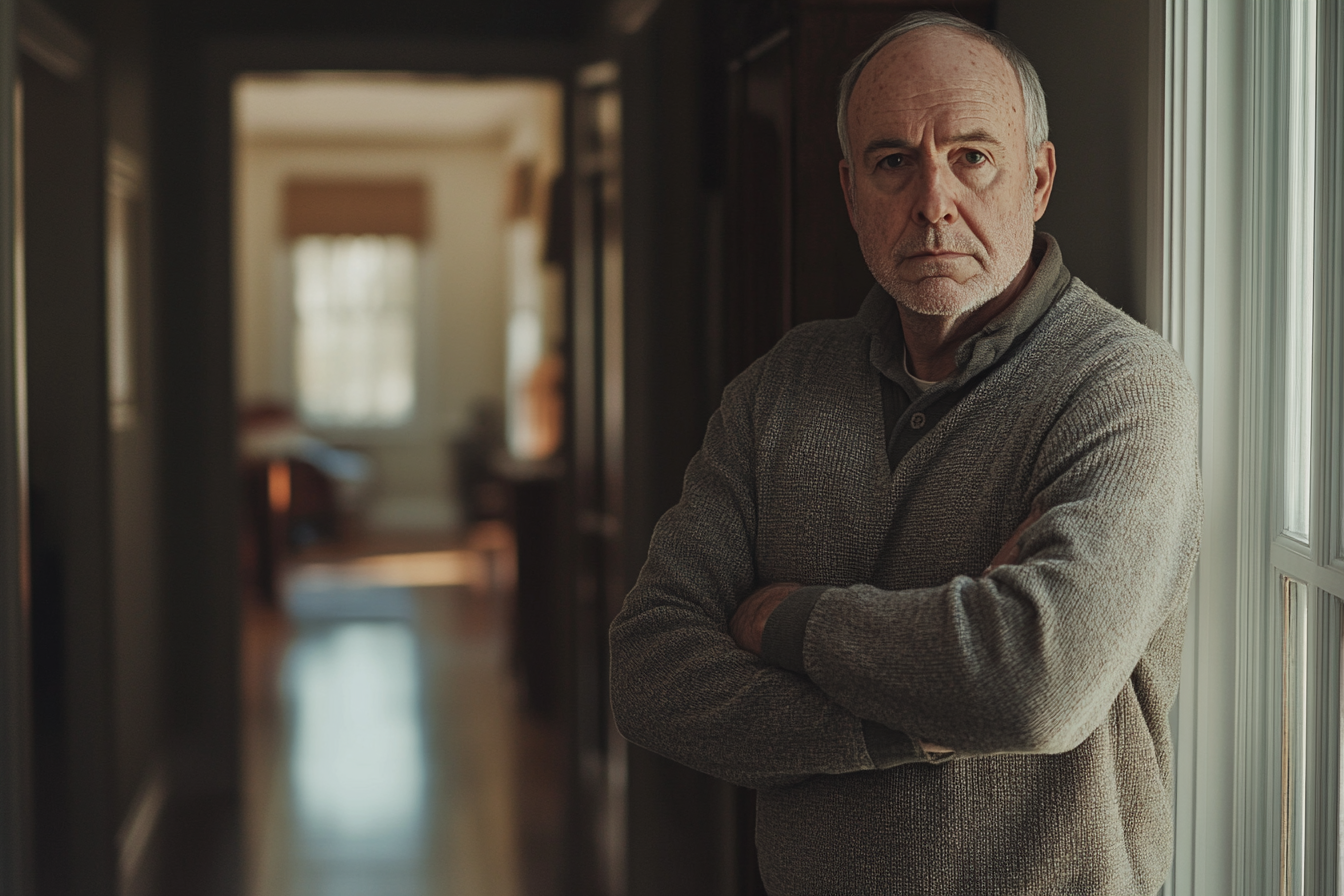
<point>398,340</point>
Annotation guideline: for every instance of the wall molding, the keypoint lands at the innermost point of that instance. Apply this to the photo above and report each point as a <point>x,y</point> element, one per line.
<point>1177,35</point>
<point>15,714</point>
<point>1330,286</point>
<point>1259,797</point>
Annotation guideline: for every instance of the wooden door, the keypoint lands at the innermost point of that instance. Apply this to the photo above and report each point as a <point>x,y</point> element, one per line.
<point>758,206</point>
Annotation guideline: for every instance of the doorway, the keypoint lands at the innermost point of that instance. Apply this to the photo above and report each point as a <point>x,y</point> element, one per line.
<point>398,328</point>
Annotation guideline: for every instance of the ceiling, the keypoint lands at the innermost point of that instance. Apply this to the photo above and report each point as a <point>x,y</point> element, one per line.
<point>345,106</point>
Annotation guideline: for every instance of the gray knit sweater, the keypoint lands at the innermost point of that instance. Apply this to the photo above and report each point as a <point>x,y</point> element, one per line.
<point>1050,679</point>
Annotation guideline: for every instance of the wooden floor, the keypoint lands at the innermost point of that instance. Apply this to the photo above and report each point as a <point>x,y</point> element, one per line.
<point>384,750</point>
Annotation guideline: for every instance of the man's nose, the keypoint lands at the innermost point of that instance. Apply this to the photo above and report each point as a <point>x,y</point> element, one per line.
<point>935,205</point>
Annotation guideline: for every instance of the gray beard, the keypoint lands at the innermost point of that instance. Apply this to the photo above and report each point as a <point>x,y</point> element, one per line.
<point>944,297</point>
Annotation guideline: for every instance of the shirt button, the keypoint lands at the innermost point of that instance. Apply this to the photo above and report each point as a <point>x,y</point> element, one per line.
<point>917,421</point>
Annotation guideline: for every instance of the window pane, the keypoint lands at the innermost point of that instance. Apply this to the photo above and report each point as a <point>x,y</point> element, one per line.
<point>1313,637</point>
<point>1301,237</point>
<point>354,298</point>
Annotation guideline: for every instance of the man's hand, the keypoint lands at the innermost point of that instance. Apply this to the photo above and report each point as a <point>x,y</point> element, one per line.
<point>748,623</point>
<point>1010,552</point>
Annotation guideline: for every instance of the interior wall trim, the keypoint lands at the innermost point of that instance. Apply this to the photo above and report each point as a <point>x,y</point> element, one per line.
<point>15,713</point>
<point>1177,35</point>
<point>1215,273</point>
<point>52,42</point>
<point>1330,287</point>
<point>1259,742</point>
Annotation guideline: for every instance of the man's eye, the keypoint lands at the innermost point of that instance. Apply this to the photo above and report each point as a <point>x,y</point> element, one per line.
<point>975,157</point>
<point>895,160</point>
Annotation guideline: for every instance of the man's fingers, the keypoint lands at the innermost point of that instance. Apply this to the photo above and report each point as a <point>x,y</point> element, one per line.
<point>748,623</point>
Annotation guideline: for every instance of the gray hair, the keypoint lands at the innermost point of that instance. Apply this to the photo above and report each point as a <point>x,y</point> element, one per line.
<point>1033,97</point>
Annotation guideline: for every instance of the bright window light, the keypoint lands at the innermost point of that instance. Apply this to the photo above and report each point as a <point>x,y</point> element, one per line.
<point>354,340</point>
<point>1301,235</point>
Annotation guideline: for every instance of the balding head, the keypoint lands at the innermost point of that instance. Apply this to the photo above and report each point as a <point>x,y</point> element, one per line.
<point>1029,84</point>
<point>942,188</point>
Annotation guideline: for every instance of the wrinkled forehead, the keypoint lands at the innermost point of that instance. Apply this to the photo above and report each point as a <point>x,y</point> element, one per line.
<point>932,70</point>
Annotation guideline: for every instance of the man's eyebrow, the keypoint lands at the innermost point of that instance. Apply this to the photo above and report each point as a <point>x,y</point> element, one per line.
<point>976,137</point>
<point>898,143</point>
<point>887,143</point>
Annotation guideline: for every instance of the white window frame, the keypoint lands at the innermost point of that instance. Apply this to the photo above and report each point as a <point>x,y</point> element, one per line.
<point>1257,788</point>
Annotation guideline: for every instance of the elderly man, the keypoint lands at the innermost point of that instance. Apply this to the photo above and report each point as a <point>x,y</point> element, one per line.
<point>925,587</point>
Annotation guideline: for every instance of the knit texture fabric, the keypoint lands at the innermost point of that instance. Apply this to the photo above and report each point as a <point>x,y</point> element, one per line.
<point>1050,679</point>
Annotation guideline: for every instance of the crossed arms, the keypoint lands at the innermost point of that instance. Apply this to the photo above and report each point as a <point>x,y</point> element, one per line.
<point>748,623</point>
<point>1026,655</point>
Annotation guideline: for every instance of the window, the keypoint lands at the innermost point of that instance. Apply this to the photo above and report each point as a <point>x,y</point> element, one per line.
<point>355,263</point>
<point>1306,582</point>
<point>1299,283</point>
<point>1311,738</point>
<point>354,339</point>
<point>1253,290</point>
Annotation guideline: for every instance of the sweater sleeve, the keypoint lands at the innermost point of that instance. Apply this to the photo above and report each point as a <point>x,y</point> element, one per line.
<point>1030,657</point>
<point>681,686</point>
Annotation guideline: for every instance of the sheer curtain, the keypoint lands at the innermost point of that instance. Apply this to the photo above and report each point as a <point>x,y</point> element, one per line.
<point>354,301</point>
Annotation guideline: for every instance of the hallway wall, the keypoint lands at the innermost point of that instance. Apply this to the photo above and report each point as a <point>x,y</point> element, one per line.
<point>72,651</point>
<point>1094,63</point>
<point>141,756</point>
<point>681,823</point>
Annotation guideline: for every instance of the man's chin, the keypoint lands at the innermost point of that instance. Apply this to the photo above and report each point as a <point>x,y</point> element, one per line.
<point>937,297</point>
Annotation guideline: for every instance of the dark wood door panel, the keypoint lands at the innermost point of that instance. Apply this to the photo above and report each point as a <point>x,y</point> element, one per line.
<point>758,215</point>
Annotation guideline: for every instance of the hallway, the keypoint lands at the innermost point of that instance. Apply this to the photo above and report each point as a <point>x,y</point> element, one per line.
<point>248,645</point>
<point>385,751</point>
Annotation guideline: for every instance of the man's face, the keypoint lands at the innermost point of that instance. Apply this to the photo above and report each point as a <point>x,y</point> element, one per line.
<point>940,188</point>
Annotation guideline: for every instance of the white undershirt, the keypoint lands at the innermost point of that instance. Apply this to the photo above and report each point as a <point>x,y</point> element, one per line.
<point>921,385</point>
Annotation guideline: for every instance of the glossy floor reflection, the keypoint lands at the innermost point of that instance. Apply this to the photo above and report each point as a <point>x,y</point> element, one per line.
<point>385,755</point>
<point>357,742</point>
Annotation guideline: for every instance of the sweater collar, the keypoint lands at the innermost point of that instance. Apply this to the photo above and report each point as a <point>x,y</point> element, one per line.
<point>879,317</point>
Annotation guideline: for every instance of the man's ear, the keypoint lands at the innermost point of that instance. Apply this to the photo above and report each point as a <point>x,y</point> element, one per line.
<point>847,187</point>
<point>1044,169</point>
